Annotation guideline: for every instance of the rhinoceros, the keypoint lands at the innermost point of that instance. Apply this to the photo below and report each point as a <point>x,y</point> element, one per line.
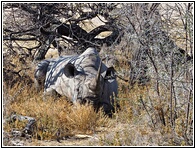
<point>82,78</point>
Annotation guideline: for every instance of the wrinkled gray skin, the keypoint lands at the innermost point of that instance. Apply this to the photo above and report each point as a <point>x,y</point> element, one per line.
<point>82,79</point>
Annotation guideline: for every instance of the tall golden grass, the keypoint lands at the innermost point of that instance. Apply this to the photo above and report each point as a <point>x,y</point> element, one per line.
<point>52,115</point>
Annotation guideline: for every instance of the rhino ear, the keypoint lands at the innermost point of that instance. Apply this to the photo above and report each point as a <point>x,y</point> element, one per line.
<point>70,70</point>
<point>110,72</point>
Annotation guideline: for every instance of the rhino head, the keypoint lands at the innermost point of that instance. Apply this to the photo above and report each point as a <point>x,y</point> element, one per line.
<point>85,87</point>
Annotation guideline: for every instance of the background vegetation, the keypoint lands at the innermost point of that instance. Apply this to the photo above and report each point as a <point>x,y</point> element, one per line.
<point>150,45</point>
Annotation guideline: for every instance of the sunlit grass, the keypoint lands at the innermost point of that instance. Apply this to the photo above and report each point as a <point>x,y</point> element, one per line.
<point>53,115</point>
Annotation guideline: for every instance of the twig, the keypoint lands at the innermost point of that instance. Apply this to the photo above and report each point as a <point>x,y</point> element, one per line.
<point>147,111</point>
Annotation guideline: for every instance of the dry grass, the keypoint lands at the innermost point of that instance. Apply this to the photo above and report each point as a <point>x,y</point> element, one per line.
<point>57,118</point>
<point>53,115</point>
<point>57,115</point>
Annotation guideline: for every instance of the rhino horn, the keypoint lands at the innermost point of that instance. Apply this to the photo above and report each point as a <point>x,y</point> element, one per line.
<point>95,85</point>
<point>99,75</point>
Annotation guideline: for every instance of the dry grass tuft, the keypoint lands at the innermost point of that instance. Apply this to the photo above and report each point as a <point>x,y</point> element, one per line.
<point>53,115</point>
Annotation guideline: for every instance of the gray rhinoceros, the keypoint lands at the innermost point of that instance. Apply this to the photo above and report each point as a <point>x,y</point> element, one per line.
<point>82,78</point>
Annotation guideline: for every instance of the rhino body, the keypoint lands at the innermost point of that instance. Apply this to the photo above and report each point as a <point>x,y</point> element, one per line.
<point>82,78</point>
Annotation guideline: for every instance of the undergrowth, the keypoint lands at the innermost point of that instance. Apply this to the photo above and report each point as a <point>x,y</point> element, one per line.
<point>138,122</point>
<point>52,115</point>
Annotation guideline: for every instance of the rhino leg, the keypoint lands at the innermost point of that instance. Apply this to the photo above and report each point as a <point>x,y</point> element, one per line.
<point>39,81</point>
<point>38,85</point>
<point>40,74</point>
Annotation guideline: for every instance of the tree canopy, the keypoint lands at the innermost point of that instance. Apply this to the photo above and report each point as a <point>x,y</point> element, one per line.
<point>50,23</point>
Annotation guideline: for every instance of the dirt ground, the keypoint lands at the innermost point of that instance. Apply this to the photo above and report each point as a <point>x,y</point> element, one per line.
<point>118,135</point>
